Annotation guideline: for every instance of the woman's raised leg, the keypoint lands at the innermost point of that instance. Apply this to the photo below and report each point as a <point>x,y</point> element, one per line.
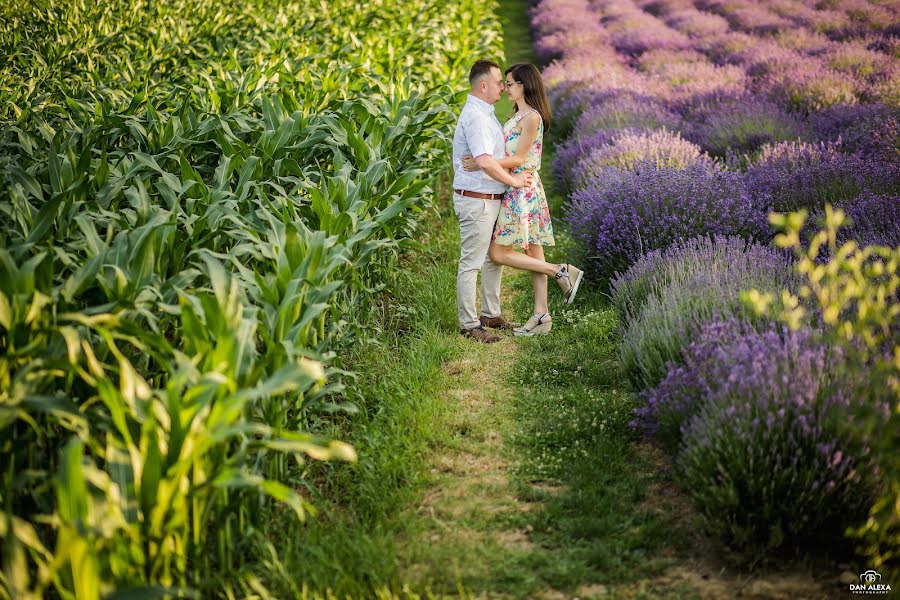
<point>504,255</point>
<point>567,276</point>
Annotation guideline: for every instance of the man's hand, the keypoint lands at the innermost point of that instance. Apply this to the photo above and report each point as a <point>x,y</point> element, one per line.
<point>523,179</point>
<point>469,164</point>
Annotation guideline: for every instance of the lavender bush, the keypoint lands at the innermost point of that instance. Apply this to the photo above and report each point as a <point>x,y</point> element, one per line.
<point>695,23</point>
<point>743,126</point>
<point>620,215</point>
<point>794,175</point>
<point>803,40</point>
<point>570,152</point>
<point>728,47</point>
<point>634,31</point>
<point>857,60</point>
<point>760,57</point>
<point>859,127</point>
<point>805,88</point>
<point>865,17</point>
<point>670,319</point>
<point>875,220</point>
<point>889,45</point>
<point>659,8</point>
<point>766,455</point>
<point>581,33</point>
<point>599,68</point>
<point>621,110</point>
<point>688,74</point>
<point>820,19</point>
<point>885,90</point>
<point>660,148</point>
<point>756,19</point>
<point>653,272</point>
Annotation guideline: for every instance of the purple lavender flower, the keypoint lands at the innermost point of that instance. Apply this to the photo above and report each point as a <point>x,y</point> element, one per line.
<point>889,45</point>
<point>659,8</point>
<point>592,70</point>
<point>620,215</point>
<point>570,31</point>
<point>819,20</point>
<point>581,33</point>
<point>728,47</point>
<point>756,19</point>
<point>804,40</point>
<point>885,89</point>
<point>865,17</point>
<point>634,31</point>
<point>571,98</point>
<point>576,148</point>
<point>857,60</point>
<point>698,78</point>
<point>765,57</point>
<point>793,175</point>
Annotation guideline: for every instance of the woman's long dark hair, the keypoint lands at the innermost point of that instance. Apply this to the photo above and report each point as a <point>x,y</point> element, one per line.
<point>533,88</point>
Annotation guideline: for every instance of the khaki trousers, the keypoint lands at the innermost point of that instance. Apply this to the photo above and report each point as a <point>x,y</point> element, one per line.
<point>476,228</point>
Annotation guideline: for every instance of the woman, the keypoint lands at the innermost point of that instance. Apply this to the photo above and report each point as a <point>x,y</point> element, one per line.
<point>524,219</point>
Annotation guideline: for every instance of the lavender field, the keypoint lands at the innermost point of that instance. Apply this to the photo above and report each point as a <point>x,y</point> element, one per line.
<point>732,169</point>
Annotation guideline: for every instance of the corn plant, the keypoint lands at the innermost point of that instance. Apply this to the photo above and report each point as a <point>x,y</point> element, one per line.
<point>197,201</point>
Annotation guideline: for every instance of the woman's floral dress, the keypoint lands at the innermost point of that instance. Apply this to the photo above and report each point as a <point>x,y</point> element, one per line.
<point>524,217</point>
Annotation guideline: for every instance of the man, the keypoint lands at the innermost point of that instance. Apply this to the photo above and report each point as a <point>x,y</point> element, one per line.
<point>476,201</point>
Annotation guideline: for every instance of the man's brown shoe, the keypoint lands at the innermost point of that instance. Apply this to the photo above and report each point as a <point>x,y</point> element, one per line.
<point>480,334</point>
<point>498,322</point>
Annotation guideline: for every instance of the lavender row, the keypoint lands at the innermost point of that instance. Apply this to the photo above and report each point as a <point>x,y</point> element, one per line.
<point>687,123</point>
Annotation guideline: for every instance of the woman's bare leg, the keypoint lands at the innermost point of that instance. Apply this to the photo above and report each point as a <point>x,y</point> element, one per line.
<point>504,255</point>
<point>538,280</point>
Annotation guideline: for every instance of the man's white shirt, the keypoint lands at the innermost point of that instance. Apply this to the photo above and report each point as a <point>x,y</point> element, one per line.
<point>477,132</point>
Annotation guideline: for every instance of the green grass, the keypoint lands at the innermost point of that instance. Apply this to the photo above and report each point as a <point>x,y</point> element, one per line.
<point>350,548</point>
<point>578,456</point>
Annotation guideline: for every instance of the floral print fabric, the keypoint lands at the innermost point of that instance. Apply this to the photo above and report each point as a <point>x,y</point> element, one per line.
<point>524,215</point>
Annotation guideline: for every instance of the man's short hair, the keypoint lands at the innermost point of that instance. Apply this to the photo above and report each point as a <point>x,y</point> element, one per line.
<point>480,69</point>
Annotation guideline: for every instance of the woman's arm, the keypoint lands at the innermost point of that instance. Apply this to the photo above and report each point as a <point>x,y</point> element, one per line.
<point>530,125</point>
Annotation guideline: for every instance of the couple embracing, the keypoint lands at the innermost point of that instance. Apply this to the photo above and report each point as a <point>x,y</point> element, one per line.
<point>500,202</point>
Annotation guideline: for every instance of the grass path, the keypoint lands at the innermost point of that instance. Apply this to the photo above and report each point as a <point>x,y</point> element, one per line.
<point>534,493</point>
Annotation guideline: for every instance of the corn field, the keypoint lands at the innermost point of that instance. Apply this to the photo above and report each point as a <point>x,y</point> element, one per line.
<point>197,200</point>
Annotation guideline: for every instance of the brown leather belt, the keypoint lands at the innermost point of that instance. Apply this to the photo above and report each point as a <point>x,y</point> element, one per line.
<point>469,194</point>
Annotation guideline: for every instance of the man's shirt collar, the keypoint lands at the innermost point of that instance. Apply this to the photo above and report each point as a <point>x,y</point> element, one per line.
<point>480,103</point>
